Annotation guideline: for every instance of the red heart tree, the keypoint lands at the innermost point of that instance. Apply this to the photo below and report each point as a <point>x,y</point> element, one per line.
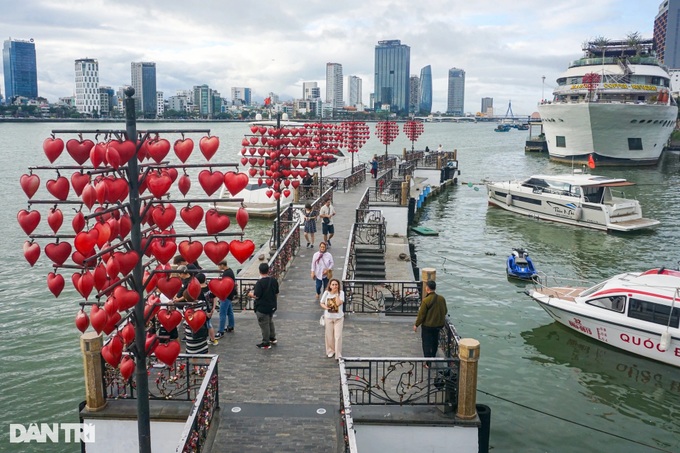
<point>354,135</point>
<point>386,131</point>
<point>413,129</point>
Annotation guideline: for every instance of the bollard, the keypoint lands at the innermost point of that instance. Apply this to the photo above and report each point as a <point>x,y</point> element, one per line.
<point>427,273</point>
<point>439,162</point>
<point>467,379</point>
<point>404,193</point>
<point>91,347</point>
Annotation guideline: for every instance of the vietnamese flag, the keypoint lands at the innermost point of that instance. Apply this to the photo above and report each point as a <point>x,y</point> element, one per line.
<point>591,161</point>
<point>267,101</point>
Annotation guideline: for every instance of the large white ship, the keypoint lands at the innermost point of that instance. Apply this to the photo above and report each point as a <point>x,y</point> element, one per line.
<point>613,104</point>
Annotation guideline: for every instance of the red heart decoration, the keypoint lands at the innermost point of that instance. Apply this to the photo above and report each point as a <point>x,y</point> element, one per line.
<point>151,308</point>
<point>89,196</point>
<point>126,298</point>
<point>31,252</point>
<point>164,215</point>
<point>124,226</point>
<point>128,333</point>
<point>103,233</point>
<point>215,222</point>
<point>216,251</point>
<point>183,148</point>
<point>168,352</point>
<point>184,184</point>
<point>235,182</point>
<point>83,283</point>
<point>28,220</point>
<point>124,149</point>
<point>85,241</point>
<point>190,250</point>
<point>29,184</point>
<point>127,261</point>
<point>97,318</point>
<point>150,344</point>
<point>53,148</point>
<point>158,149</point>
<point>55,283</point>
<point>82,321</point>
<point>79,181</point>
<point>169,319</point>
<point>193,288</point>
<point>109,357</point>
<point>210,181</point>
<point>99,276</point>
<point>241,250</point>
<point>55,219</point>
<point>195,318</point>
<point>127,367</point>
<point>222,287</point>
<point>118,189</point>
<point>242,217</point>
<point>58,188</point>
<point>58,252</point>
<point>208,146</point>
<point>110,306</point>
<point>158,185</point>
<point>192,216</point>
<point>163,250</point>
<point>79,151</point>
<point>98,155</point>
<point>78,222</point>
<point>169,286</point>
<point>111,322</point>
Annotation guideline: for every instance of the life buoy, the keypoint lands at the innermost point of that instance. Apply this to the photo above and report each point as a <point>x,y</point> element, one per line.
<point>663,96</point>
<point>508,199</point>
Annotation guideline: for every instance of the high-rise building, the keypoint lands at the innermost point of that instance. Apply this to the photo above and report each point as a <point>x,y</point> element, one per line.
<point>354,88</point>
<point>20,69</point>
<point>414,93</point>
<point>310,90</point>
<point>425,95</point>
<point>241,96</point>
<point>667,33</point>
<point>160,104</point>
<point>107,101</point>
<point>144,83</point>
<point>207,101</point>
<point>456,94</point>
<point>334,85</point>
<point>88,100</point>
<point>487,107</point>
<point>392,71</point>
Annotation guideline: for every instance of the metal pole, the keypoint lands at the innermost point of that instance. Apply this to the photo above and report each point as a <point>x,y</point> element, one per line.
<point>143,422</point>
<point>277,224</point>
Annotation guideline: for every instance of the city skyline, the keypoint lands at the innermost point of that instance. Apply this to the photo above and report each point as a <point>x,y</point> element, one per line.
<point>504,53</point>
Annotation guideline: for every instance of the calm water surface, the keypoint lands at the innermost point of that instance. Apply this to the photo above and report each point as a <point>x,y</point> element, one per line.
<point>529,364</point>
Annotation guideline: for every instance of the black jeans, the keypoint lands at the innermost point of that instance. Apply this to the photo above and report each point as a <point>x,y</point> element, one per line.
<point>430,336</point>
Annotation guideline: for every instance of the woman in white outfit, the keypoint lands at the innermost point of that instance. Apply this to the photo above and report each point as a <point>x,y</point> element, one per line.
<point>332,302</point>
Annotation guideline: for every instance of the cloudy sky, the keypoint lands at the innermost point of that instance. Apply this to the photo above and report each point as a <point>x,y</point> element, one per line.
<point>270,46</point>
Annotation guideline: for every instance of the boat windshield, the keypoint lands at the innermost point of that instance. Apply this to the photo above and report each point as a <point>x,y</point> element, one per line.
<point>593,289</point>
<point>554,187</point>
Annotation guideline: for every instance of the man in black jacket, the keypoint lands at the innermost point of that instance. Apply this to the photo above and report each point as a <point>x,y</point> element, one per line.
<point>265,292</point>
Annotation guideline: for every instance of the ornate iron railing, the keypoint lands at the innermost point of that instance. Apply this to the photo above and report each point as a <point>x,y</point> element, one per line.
<point>384,196</point>
<point>364,202</point>
<point>383,181</point>
<point>242,301</point>
<point>407,168</point>
<point>399,381</point>
<point>347,182</point>
<point>279,263</point>
<point>182,381</point>
<point>382,296</point>
<point>373,234</point>
<point>361,167</point>
<point>368,216</point>
<point>413,155</point>
<point>196,429</point>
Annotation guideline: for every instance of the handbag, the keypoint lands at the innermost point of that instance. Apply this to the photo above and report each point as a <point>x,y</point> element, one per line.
<point>322,321</point>
<point>329,274</point>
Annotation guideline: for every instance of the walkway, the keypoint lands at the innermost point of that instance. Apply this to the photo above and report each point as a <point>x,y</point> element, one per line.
<point>286,399</point>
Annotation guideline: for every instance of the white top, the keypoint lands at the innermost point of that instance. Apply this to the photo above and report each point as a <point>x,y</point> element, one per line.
<point>329,211</point>
<point>340,312</point>
<point>320,265</point>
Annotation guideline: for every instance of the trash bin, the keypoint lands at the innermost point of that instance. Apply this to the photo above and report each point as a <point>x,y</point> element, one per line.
<point>484,413</point>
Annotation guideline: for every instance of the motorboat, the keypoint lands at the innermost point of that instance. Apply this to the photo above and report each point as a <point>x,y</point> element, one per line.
<point>502,128</point>
<point>519,265</point>
<point>254,195</point>
<point>577,198</point>
<point>637,312</point>
<point>613,103</point>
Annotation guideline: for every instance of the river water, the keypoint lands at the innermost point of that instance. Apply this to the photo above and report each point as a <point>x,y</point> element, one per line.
<point>550,390</point>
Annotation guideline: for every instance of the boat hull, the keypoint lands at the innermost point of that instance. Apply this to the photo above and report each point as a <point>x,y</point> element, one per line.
<point>608,131</point>
<point>643,342</point>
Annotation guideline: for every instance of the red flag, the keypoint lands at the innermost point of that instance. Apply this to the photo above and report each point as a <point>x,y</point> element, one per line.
<point>267,101</point>
<point>591,161</point>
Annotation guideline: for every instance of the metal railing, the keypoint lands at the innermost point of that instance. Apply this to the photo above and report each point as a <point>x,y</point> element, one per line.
<point>196,429</point>
<point>406,168</point>
<point>399,382</point>
<point>386,195</point>
<point>346,183</point>
<point>382,296</point>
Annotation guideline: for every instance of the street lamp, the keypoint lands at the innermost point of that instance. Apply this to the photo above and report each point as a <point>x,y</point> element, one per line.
<point>543,89</point>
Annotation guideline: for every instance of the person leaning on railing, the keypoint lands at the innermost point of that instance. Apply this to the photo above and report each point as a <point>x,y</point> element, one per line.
<point>432,316</point>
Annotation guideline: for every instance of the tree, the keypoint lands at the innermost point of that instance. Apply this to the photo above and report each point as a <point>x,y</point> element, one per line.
<point>633,40</point>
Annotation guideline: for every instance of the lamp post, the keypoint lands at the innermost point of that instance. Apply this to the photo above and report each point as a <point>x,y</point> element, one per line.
<point>543,89</point>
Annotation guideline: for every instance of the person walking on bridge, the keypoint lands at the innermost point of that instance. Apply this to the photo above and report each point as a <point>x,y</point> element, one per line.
<point>327,212</point>
<point>432,316</point>
<point>322,268</point>
<point>265,292</point>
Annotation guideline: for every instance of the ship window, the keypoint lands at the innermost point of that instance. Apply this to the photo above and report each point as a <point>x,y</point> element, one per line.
<point>633,121</point>
<point>561,141</point>
<point>653,312</point>
<point>613,303</point>
<point>635,144</point>
<point>656,121</point>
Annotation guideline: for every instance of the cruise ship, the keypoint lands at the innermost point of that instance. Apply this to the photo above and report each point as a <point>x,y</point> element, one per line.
<point>614,103</point>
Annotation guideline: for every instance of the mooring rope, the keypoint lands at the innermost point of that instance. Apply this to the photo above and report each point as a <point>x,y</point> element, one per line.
<point>574,422</point>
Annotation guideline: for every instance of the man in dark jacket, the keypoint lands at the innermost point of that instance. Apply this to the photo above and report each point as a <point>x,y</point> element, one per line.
<point>265,292</point>
<point>432,317</point>
<point>226,307</point>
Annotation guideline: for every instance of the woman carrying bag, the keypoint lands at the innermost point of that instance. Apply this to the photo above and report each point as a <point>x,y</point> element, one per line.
<point>332,302</point>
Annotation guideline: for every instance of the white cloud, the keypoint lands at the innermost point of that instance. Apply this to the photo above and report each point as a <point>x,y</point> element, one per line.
<point>505,48</point>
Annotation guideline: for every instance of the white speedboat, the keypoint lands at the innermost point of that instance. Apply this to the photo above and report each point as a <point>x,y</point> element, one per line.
<point>255,196</point>
<point>613,103</point>
<point>576,199</point>
<point>636,312</point>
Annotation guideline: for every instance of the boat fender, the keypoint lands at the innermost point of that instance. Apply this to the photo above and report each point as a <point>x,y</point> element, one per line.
<point>578,213</point>
<point>508,199</point>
